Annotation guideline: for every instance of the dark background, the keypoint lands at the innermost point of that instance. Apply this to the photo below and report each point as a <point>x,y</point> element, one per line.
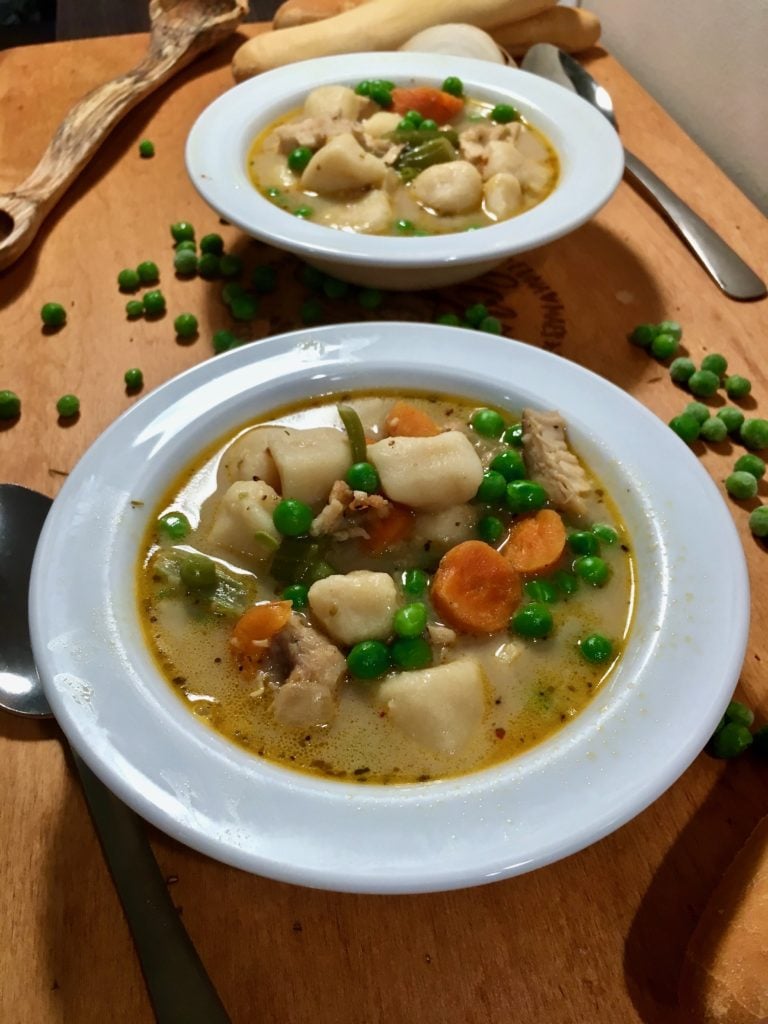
<point>40,21</point>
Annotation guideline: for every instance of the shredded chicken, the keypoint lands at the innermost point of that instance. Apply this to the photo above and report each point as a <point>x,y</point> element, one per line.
<point>314,668</point>
<point>551,463</point>
<point>474,140</point>
<point>441,635</point>
<point>312,132</point>
<point>341,516</point>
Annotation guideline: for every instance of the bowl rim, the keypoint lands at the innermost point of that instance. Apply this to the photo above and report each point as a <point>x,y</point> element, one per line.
<point>591,157</point>
<point>141,741</point>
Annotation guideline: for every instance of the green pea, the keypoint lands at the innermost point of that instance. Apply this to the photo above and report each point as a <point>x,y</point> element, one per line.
<point>758,521</point>
<point>737,387</point>
<point>730,741</point>
<point>595,648</point>
<point>292,518</point>
<point>264,278</point>
<point>369,659</point>
<point>10,405</point>
<point>174,525</point>
<point>583,542</point>
<point>740,713</point>
<point>154,303</point>
<point>404,225</point>
<point>297,594</point>
<point>490,529</point>
<point>754,434</point>
<point>682,369</point>
<point>487,422</point>
<point>503,113</point>
<point>510,464</point>
<point>686,426</point>
<point>475,314</point>
<point>53,314</point>
<point>605,533</point>
<point>664,346</point>
<point>185,325</point>
<point>750,464</point>
<point>490,324</point>
<point>299,157</point>
<point>670,327</point>
<point>699,410</point>
<point>514,435</point>
<point>370,298</point>
<point>223,341</point>
<point>414,581</point>
<point>212,243</point>
<point>128,280</point>
<point>185,262</point>
<point>453,85</point>
<point>230,265</point>
<point>592,569</point>
<point>311,312</point>
<point>703,383</point>
<point>380,94</point>
<point>149,272</point>
<point>448,319</point>
<point>410,620</point>
<point>412,119</point>
<point>198,572</point>
<point>428,125</point>
<point>411,653</point>
<point>643,335</point>
<point>363,88</point>
<point>68,406</point>
<point>134,308</point>
<point>492,487</point>
<point>533,620</point>
<point>232,290</point>
<point>188,244</point>
<point>244,307</point>
<point>146,149</point>
<point>182,231</point>
<point>715,362</point>
<point>304,212</point>
<point>713,430</point>
<point>566,582</point>
<point>731,417</point>
<point>525,496</point>
<point>209,266</point>
<point>362,476</point>
<point>133,378</point>
<point>741,486</point>
<point>541,591</point>
<point>333,288</point>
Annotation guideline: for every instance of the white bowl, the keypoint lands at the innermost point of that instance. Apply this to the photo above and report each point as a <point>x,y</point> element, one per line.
<point>591,160</point>
<point>636,737</point>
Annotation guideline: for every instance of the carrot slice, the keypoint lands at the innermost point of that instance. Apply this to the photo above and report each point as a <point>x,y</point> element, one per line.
<point>254,628</point>
<point>475,589</point>
<point>392,529</point>
<point>429,102</point>
<point>537,543</point>
<point>405,420</point>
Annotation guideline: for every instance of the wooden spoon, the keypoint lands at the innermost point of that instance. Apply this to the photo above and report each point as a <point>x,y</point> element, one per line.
<point>179,31</point>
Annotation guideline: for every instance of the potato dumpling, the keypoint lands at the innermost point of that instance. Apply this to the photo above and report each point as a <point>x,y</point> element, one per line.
<point>428,472</point>
<point>357,606</point>
<point>243,519</point>
<point>335,101</point>
<point>503,195</point>
<point>342,164</point>
<point>370,213</point>
<point>449,188</point>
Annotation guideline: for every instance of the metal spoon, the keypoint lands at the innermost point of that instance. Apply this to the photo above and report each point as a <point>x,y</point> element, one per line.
<point>726,267</point>
<point>179,988</point>
<point>179,31</point>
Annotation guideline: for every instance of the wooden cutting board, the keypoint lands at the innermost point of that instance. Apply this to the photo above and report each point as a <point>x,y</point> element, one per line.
<point>598,937</point>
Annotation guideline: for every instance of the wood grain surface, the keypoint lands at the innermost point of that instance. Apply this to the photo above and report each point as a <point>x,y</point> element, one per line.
<point>598,937</point>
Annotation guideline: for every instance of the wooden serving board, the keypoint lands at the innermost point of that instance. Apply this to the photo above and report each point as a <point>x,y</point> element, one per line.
<point>598,937</point>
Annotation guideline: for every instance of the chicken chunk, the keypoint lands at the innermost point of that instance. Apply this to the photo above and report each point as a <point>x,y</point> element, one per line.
<point>428,472</point>
<point>500,157</point>
<point>312,132</point>
<point>342,164</point>
<point>441,708</point>
<point>551,463</point>
<point>315,669</point>
<point>243,522</point>
<point>455,187</point>
<point>357,606</point>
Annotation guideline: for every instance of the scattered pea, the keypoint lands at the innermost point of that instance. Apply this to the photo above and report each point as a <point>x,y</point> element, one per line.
<point>230,265</point>
<point>758,521</point>
<point>583,542</point>
<point>686,426</point>
<point>380,93</point>
<point>148,272</point>
<point>188,243</point>
<point>741,486</point>
<point>299,157</point>
<point>490,529</point>
<point>514,435</point>
<point>223,341</point>
<point>533,620</point>
<point>730,740</point>
<point>212,243</point>
<point>670,327</point>
<point>487,422</point>
<point>699,410</point>
<point>311,277</point>
<point>664,346</point>
<point>185,325</point>
<point>475,314</point>
<point>333,288</point>
<point>448,320</point>
<point>370,298</point>
<point>490,324</point>
<point>510,464</point>
<point>264,278</point>
<point>232,290</point>
<point>134,308</point>
<point>146,149</point>
<point>182,231</point>
<point>185,262</point>
<point>643,335</point>
<point>68,406</point>
<point>715,362</point>
<point>605,533</point>
<point>731,417</point>
<point>566,582</point>
<point>740,713</point>
<point>682,369</point>
<point>703,383</point>
<point>415,582</point>
<point>754,434</point>
<point>10,405</point>
<point>198,572</point>
<point>133,378</point>
<point>737,387</point>
<point>311,312</point>
<point>244,307</point>
<point>128,280</point>
<point>404,226</point>
<point>410,620</point>
<point>154,303</point>
<point>714,430</point>
<point>750,464</point>
<point>53,314</point>
<point>209,266</point>
<point>368,660</point>
<point>595,648</point>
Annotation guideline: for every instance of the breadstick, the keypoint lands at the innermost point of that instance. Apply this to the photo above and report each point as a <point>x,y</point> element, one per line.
<point>306,12</point>
<point>725,972</point>
<point>377,25</point>
<point>570,28</point>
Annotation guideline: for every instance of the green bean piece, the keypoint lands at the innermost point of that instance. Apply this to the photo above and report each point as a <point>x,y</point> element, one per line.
<point>425,154</point>
<point>355,433</point>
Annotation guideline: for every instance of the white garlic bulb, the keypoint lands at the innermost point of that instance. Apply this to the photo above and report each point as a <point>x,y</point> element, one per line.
<point>457,40</point>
